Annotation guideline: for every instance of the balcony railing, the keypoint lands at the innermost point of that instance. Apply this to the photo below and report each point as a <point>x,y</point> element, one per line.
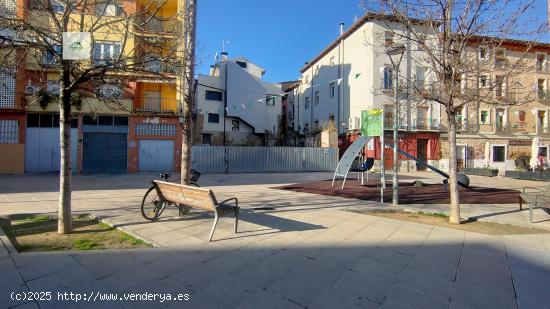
<point>543,130</point>
<point>158,105</point>
<point>388,125</point>
<point>156,25</point>
<point>157,66</point>
<point>503,128</point>
<point>426,124</point>
<point>50,60</point>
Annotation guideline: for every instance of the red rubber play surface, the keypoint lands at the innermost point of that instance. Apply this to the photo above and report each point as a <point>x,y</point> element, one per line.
<point>408,194</point>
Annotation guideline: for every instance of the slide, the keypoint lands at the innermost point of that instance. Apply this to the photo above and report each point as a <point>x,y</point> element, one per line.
<point>463,179</point>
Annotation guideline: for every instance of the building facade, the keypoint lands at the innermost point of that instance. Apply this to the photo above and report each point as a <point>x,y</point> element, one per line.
<point>235,107</point>
<point>515,128</point>
<point>354,74</point>
<point>135,126</point>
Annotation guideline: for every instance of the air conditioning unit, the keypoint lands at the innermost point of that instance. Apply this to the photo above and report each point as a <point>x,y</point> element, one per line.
<point>31,89</point>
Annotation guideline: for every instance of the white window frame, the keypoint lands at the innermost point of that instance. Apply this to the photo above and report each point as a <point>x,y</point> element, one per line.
<point>107,50</point>
<point>487,81</point>
<point>332,90</point>
<point>488,116</point>
<point>486,49</point>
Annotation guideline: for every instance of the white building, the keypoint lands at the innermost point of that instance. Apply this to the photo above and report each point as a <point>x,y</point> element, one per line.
<point>235,107</point>
<point>354,74</point>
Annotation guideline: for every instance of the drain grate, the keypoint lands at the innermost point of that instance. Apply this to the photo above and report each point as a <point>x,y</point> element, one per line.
<point>264,208</point>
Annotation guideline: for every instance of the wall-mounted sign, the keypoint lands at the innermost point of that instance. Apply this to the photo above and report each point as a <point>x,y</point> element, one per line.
<point>520,142</point>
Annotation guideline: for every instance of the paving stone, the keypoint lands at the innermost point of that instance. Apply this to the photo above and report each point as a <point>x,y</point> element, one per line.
<point>265,299</point>
<point>427,283</point>
<point>364,285</point>
<point>403,297</point>
<point>335,298</point>
<point>379,269</point>
<point>52,266</point>
<point>298,289</point>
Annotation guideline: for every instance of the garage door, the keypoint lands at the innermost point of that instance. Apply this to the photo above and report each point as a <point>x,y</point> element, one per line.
<point>156,155</point>
<point>42,150</point>
<point>105,153</point>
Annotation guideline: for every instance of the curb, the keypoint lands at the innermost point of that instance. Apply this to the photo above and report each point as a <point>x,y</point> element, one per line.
<point>4,239</point>
<point>148,240</point>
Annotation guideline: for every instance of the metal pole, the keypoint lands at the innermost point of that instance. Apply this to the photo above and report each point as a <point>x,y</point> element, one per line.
<point>382,159</point>
<point>395,184</point>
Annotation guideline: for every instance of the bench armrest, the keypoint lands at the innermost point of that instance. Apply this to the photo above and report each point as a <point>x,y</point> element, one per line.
<point>230,199</point>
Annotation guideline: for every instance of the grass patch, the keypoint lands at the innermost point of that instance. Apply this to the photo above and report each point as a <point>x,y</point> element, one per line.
<point>438,219</point>
<point>39,233</point>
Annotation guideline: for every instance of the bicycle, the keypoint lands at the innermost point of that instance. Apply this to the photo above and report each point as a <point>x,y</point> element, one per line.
<point>152,206</point>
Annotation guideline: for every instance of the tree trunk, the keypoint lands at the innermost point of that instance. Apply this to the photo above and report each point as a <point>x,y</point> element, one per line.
<point>454,216</point>
<point>188,79</point>
<point>64,218</point>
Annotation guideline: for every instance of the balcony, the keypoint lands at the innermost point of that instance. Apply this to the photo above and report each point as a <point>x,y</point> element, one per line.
<point>503,128</point>
<point>155,65</point>
<point>426,124</point>
<point>50,60</point>
<point>543,130</point>
<point>388,125</point>
<point>158,105</point>
<point>155,25</point>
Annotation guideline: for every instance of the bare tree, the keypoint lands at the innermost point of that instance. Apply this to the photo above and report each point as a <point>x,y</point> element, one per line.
<point>444,37</point>
<point>188,79</point>
<point>32,38</point>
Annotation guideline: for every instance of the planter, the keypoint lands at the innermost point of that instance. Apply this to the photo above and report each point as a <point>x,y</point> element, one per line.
<point>528,175</point>
<point>481,172</point>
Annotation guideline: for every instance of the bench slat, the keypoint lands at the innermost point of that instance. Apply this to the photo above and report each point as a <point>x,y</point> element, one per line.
<point>192,196</point>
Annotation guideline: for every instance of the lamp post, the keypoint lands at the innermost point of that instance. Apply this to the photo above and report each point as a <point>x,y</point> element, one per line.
<point>395,51</point>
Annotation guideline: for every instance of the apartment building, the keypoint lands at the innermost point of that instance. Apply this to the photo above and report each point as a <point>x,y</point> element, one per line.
<point>517,125</point>
<point>138,133</point>
<point>235,107</point>
<point>353,74</point>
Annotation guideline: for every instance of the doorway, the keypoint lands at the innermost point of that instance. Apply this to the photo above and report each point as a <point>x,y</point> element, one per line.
<point>421,153</point>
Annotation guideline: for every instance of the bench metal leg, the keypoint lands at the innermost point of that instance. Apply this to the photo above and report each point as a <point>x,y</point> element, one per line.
<point>520,203</point>
<point>531,213</point>
<point>236,218</point>
<point>216,218</point>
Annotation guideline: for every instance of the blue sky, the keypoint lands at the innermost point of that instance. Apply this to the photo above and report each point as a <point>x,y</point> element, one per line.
<point>278,35</point>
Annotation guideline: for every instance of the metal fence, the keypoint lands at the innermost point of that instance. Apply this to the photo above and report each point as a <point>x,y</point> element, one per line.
<point>243,159</point>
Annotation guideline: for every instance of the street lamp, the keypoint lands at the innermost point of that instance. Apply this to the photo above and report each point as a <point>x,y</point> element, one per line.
<point>396,51</point>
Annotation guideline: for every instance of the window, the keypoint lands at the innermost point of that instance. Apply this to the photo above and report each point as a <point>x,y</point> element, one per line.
<point>307,79</point>
<point>521,115</point>
<point>105,120</point>
<point>332,90</point>
<point>543,151</point>
<point>105,52</point>
<point>307,103</point>
<point>388,78</point>
<point>499,86</point>
<point>110,91</point>
<point>316,70</point>
<point>108,8</point>
<point>388,38</point>
<point>541,88</point>
<point>316,99</point>
<point>53,87</point>
<point>51,58</point>
<point>332,61</point>
<point>270,101</point>
<point>499,153</point>
<point>58,7</point>
<point>483,81</point>
<point>484,117</point>
<point>95,120</point>
<point>500,58</point>
<point>162,129</point>
<point>242,64</point>
<point>483,53</point>
<point>541,62</point>
<point>213,118</point>
<point>9,131</point>
<point>8,8</point>
<point>420,78</point>
<point>207,139</point>
<point>213,95</point>
<point>47,121</point>
<point>7,88</point>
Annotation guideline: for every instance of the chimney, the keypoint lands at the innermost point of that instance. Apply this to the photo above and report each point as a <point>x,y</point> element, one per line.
<point>212,68</point>
<point>341,29</point>
<point>224,56</point>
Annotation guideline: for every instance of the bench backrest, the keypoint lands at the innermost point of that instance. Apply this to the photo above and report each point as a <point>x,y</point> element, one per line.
<point>187,195</point>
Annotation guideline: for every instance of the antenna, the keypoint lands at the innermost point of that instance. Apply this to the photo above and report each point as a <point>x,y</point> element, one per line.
<point>223,44</point>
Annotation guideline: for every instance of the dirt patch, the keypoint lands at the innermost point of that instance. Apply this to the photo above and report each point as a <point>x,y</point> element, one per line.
<point>31,233</point>
<point>442,220</point>
<point>408,192</point>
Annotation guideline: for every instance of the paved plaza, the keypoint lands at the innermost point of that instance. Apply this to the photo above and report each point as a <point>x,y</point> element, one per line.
<point>304,252</point>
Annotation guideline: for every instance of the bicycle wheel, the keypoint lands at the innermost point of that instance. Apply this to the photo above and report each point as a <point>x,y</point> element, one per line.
<point>151,205</point>
<point>194,184</point>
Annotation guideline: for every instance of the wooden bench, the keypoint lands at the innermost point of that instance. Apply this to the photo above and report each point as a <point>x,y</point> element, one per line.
<point>198,198</point>
<point>535,197</point>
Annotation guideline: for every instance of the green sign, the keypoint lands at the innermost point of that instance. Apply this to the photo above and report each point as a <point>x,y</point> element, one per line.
<point>371,122</point>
